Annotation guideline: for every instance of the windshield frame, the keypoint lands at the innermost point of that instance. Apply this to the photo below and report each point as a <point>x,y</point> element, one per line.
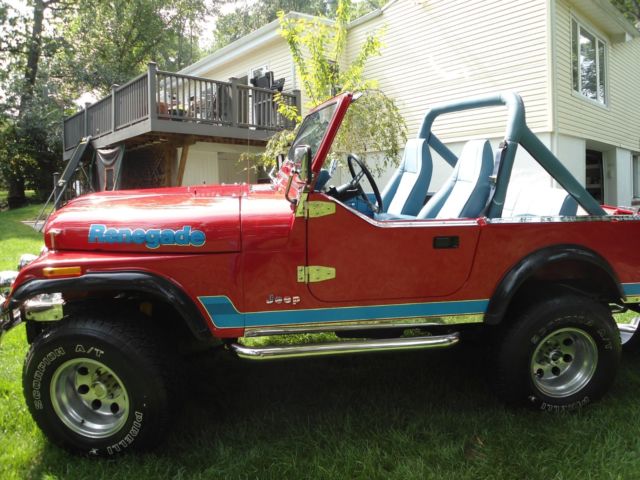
<point>304,131</point>
<point>342,103</point>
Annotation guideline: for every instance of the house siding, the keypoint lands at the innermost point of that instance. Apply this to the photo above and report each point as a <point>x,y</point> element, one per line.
<point>274,53</point>
<point>436,51</point>
<point>617,124</point>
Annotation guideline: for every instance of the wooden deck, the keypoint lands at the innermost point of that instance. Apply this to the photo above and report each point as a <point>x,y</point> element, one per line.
<point>157,106</point>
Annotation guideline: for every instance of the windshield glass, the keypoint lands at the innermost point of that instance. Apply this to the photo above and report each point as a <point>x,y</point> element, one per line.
<point>312,130</point>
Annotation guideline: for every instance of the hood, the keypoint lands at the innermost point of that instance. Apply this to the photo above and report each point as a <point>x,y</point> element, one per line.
<point>168,220</point>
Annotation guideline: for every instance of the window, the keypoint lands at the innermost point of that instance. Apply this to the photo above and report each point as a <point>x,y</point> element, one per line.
<point>635,160</point>
<point>588,60</point>
<point>595,175</point>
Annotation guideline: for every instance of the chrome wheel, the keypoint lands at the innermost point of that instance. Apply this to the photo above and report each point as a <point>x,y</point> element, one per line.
<point>89,398</point>
<point>564,362</point>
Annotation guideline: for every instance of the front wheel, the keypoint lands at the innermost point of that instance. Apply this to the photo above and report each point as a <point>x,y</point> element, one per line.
<point>560,354</point>
<point>96,386</point>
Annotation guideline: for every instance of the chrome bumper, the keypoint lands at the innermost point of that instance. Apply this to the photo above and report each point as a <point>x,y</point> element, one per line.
<point>46,307</point>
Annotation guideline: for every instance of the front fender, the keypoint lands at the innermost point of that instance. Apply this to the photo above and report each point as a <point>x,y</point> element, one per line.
<point>129,281</point>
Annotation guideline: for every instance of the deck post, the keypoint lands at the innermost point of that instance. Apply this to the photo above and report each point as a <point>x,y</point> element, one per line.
<point>86,119</point>
<point>298,99</point>
<point>114,116</point>
<point>151,81</point>
<point>298,94</point>
<point>184,154</point>
<point>235,100</point>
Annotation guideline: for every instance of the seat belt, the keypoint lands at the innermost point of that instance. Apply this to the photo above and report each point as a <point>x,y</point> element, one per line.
<point>493,178</point>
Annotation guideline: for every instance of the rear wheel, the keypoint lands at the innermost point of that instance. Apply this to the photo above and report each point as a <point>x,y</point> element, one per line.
<point>560,354</point>
<point>98,387</point>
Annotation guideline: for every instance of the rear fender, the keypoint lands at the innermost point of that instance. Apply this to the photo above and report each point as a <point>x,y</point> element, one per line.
<point>571,266</point>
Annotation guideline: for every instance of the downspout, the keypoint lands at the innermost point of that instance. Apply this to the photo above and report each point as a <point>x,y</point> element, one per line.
<point>553,78</point>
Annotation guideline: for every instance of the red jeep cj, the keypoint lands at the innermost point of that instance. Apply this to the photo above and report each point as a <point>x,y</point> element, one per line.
<point>139,276</point>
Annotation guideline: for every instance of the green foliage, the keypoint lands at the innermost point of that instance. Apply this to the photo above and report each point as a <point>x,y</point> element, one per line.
<point>251,16</point>
<point>630,8</point>
<point>31,146</point>
<point>113,41</point>
<point>373,124</point>
<point>52,51</point>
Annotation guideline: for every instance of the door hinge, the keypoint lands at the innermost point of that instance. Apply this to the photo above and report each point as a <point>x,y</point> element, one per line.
<point>315,209</point>
<point>315,273</point>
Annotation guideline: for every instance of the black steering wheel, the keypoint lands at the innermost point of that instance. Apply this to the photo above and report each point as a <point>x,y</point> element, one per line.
<point>356,177</point>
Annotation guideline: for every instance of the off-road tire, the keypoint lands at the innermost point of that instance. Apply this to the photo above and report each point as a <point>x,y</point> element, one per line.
<point>559,354</point>
<point>97,386</point>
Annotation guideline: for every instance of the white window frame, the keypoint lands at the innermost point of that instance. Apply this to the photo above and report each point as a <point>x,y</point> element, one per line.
<point>599,41</point>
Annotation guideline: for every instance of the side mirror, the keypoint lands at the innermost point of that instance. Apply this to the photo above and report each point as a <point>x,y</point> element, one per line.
<point>301,166</point>
<point>280,160</point>
<point>302,162</point>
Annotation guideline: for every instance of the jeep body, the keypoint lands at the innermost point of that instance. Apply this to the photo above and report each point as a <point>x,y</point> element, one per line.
<point>227,262</point>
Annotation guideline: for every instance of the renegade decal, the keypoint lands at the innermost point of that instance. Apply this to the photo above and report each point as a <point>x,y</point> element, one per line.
<point>152,238</point>
<point>224,314</point>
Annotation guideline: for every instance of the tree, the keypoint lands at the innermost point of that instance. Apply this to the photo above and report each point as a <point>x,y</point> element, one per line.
<point>631,10</point>
<point>111,42</point>
<point>25,128</point>
<point>55,50</point>
<point>373,124</point>
<point>249,17</point>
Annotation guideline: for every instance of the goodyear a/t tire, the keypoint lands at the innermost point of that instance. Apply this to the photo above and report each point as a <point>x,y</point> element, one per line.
<point>97,387</point>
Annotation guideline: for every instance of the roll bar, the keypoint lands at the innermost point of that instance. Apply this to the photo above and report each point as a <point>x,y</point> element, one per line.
<point>517,133</point>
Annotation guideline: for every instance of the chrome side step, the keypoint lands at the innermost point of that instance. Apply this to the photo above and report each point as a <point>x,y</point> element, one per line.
<point>340,348</point>
<point>350,325</point>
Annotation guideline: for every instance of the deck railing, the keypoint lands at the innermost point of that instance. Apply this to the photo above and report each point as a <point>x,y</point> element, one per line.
<point>131,102</point>
<point>160,95</point>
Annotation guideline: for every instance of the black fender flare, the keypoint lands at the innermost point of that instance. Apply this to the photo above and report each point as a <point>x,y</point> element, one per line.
<point>525,268</point>
<point>129,281</point>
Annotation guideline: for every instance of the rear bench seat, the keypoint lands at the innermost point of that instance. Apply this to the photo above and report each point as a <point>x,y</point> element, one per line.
<point>541,202</point>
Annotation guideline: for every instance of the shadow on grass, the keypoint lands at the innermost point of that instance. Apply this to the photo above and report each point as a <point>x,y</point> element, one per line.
<point>411,415</point>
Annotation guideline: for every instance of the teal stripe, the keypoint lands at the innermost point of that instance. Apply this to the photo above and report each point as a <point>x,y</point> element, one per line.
<point>631,288</point>
<point>224,314</point>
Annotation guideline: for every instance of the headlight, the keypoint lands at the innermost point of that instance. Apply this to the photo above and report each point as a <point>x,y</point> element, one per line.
<point>25,259</point>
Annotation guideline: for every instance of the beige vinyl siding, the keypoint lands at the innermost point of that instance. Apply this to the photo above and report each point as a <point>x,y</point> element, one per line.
<point>274,53</point>
<point>617,123</point>
<point>443,50</point>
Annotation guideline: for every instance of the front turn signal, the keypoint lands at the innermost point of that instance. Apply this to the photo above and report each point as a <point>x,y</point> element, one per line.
<point>50,272</point>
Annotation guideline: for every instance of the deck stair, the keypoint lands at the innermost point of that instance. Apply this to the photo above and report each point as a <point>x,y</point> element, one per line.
<point>75,166</point>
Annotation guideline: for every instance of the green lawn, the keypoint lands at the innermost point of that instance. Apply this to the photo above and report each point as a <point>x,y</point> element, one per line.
<point>404,416</point>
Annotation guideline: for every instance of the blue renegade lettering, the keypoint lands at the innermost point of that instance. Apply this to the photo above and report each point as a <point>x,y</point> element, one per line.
<point>152,238</point>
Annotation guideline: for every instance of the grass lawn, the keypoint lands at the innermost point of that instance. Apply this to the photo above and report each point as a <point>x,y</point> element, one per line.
<point>413,415</point>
